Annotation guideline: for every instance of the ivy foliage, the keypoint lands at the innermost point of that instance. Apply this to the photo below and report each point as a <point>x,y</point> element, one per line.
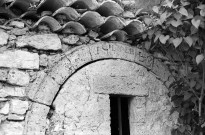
<point>176,35</point>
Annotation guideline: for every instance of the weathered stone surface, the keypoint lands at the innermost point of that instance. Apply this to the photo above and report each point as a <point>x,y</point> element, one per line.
<point>3,38</point>
<point>74,106</point>
<point>19,32</point>
<point>79,57</point>
<point>18,106</point>
<point>19,59</point>
<point>47,91</point>
<point>36,120</point>
<point>137,115</point>
<point>115,50</point>
<point>42,42</point>
<point>17,24</point>
<point>61,71</point>
<point>17,77</point>
<point>32,89</point>
<point>3,74</point>
<point>12,91</point>
<point>54,59</point>
<point>136,129</point>
<point>12,128</point>
<point>43,60</point>
<point>3,99</point>
<point>84,39</point>
<point>12,37</point>
<point>118,77</point>
<point>138,102</point>
<point>15,117</point>
<point>5,109</point>
<point>72,39</point>
<point>93,34</point>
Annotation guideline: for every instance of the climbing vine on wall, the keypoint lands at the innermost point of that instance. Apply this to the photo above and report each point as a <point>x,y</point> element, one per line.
<point>176,35</point>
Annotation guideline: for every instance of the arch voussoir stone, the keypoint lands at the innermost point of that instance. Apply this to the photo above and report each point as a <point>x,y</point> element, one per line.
<point>47,91</point>
<point>77,58</point>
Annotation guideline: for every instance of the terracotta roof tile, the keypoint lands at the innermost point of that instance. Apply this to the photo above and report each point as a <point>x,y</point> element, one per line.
<point>77,17</point>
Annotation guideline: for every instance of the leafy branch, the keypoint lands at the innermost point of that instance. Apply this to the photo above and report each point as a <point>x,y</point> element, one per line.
<point>175,33</point>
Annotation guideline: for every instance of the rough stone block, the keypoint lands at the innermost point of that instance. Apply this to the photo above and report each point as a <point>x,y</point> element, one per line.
<point>121,50</point>
<point>97,50</point>
<point>19,32</point>
<point>5,109</point>
<point>17,77</point>
<point>160,70</point>
<point>112,50</point>
<point>47,91</point>
<point>18,106</point>
<point>12,91</point>
<point>61,71</point>
<point>79,57</point>
<point>14,117</point>
<point>3,38</point>
<point>19,59</point>
<point>32,89</point>
<point>17,24</point>
<point>12,37</point>
<point>12,128</point>
<point>3,74</point>
<point>36,120</point>
<point>42,42</point>
<point>71,39</point>
<point>43,60</point>
<point>117,85</point>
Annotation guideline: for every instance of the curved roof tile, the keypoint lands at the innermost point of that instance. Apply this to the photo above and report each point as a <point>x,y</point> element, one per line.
<point>91,19</point>
<point>53,23</point>
<point>117,35</point>
<point>23,5</point>
<point>108,8</point>
<point>70,13</point>
<point>50,5</point>
<point>85,4</point>
<point>134,27</point>
<point>32,14</point>
<point>112,23</point>
<point>77,17</point>
<point>73,28</point>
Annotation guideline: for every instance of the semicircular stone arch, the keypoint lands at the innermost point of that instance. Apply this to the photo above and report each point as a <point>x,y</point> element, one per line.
<point>81,57</point>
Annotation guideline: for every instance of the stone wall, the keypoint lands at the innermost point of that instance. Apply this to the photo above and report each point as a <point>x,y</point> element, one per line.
<point>35,64</point>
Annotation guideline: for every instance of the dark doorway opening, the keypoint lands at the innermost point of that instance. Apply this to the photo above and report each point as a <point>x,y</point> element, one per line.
<point>119,115</point>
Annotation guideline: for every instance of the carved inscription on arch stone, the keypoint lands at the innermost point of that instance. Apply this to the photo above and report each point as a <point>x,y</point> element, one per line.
<point>121,51</point>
